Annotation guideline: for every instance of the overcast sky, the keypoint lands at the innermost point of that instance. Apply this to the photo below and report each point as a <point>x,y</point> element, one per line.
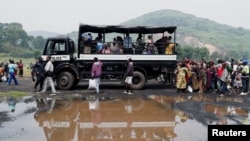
<point>64,16</point>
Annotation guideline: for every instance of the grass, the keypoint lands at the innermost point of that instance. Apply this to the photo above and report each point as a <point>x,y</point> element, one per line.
<point>14,94</point>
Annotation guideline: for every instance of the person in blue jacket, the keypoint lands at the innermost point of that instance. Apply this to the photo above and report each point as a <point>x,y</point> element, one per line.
<point>12,68</point>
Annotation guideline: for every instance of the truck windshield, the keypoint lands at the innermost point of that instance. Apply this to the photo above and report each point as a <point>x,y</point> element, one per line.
<point>55,47</point>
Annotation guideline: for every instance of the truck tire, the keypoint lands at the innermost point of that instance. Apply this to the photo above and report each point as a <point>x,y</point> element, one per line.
<point>138,80</point>
<point>65,81</point>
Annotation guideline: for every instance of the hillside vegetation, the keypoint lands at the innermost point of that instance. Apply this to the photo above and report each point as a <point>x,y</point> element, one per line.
<point>193,33</point>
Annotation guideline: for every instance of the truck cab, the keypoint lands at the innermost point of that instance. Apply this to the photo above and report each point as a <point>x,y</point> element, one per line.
<point>62,50</point>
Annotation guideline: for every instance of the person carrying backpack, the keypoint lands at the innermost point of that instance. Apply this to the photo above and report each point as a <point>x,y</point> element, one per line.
<point>39,67</point>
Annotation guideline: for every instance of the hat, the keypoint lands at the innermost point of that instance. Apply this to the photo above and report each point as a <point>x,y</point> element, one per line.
<point>244,62</point>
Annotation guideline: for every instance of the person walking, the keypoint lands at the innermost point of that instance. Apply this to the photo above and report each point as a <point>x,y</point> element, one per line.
<point>33,71</point>
<point>20,68</point>
<point>6,70</point>
<point>39,67</point>
<point>128,76</point>
<point>1,72</point>
<point>12,68</point>
<point>49,69</point>
<point>223,79</point>
<point>245,78</point>
<point>181,77</point>
<point>96,73</point>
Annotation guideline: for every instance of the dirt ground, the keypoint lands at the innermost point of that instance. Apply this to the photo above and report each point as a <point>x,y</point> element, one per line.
<point>151,87</point>
<point>26,85</point>
<point>115,88</point>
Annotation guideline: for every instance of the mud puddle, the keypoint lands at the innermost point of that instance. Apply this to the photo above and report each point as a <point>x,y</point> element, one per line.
<point>95,117</point>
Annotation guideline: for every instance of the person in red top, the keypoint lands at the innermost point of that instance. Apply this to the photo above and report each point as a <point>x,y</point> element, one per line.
<point>20,68</point>
<point>1,72</point>
<point>219,71</point>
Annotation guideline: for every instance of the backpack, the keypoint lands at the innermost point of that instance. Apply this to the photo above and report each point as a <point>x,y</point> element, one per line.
<point>229,69</point>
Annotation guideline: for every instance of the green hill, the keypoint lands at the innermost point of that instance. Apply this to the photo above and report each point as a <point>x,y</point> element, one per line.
<point>197,32</point>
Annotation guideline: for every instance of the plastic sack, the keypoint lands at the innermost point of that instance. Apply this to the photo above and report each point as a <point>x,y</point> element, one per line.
<point>92,84</point>
<point>4,79</point>
<point>94,104</point>
<point>190,89</point>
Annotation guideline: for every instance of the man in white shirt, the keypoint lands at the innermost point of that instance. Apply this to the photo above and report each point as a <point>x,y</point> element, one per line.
<point>49,68</point>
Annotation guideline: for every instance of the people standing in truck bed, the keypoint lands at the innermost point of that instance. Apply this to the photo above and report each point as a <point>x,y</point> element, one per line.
<point>116,46</point>
<point>170,46</point>
<point>99,44</point>
<point>106,49</point>
<point>127,44</point>
<point>150,45</point>
<point>139,46</point>
<point>161,44</point>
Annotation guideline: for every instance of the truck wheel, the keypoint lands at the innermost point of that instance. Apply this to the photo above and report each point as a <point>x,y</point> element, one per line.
<point>138,80</point>
<point>65,81</point>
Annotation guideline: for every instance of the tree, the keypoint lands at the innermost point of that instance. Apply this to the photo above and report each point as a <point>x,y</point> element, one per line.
<point>203,53</point>
<point>39,42</point>
<point>215,55</point>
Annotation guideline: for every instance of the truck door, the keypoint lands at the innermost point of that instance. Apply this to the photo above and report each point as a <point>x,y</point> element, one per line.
<point>58,49</point>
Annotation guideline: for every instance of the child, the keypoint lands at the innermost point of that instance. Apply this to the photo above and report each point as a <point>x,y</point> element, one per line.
<point>237,81</point>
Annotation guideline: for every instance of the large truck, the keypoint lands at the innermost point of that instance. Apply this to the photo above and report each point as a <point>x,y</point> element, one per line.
<point>73,60</point>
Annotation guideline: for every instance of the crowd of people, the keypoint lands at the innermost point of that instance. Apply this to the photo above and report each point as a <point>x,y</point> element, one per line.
<point>221,77</point>
<point>127,45</point>
<point>41,73</point>
<point>9,70</point>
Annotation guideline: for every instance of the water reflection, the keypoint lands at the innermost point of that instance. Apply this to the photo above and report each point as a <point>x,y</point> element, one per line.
<point>214,110</point>
<point>155,117</point>
<point>12,103</point>
<point>95,119</point>
<point>225,113</point>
